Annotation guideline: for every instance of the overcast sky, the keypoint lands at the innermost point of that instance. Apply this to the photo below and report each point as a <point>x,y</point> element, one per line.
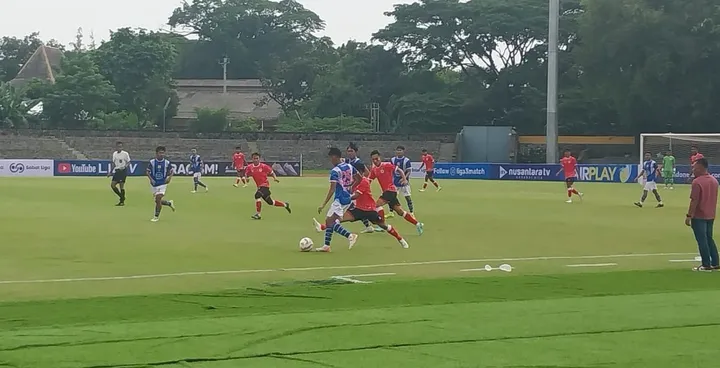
<point>60,19</point>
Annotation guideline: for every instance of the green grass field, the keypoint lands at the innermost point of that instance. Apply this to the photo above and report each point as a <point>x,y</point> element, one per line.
<point>87,284</point>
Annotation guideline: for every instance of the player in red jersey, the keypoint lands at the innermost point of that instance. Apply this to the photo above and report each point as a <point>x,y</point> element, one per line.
<point>428,162</point>
<point>384,173</point>
<point>259,172</point>
<point>364,209</point>
<point>569,168</point>
<point>694,156</point>
<point>238,160</point>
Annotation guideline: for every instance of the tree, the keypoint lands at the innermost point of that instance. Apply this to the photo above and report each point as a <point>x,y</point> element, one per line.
<point>12,109</point>
<point>263,39</point>
<point>79,96</point>
<point>654,61</point>
<point>140,64</point>
<point>14,52</point>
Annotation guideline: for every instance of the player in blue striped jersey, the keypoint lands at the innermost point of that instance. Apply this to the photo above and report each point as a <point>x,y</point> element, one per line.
<point>196,165</point>
<point>649,173</point>
<point>160,173</point>
<point>401,161</point>
<point>341,181</point>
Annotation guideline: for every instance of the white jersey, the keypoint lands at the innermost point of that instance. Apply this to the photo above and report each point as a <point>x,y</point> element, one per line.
<point>120,160</point>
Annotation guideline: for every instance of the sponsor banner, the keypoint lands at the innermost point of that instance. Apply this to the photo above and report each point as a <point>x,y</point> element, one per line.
<point>682,172</point>
<point>591,173</point>
<point>281,168</point>
<point>138,168</point>
<point>416,172</point>
<point>26,167</point>
<point>462,171</point>
<point>94,168</point>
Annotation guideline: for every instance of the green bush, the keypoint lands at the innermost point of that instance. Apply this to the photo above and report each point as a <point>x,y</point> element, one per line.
<point>210,121</point>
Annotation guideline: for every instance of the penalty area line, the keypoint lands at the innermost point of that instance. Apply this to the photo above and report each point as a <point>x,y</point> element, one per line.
<point>592,265</point>
<point>329,268</point>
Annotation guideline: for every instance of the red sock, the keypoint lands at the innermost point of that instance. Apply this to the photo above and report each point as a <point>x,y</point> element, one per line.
<point>258,206</point>
<point>381,212</point>
<point>569,192</point>
<point>424,185</point>
<point>436,184</point>
<point>278,204</point>
<point>574,191</point>
<point>391,230</point>
<point>237,180</point>
<point>408,217</point>
<point>323,227</point>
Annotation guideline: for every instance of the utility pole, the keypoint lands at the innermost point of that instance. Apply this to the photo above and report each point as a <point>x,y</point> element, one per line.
<point>551,135</point>
<point>225,61</point>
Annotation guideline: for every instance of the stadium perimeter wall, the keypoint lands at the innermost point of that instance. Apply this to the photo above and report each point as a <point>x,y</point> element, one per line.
<point>606,173</point>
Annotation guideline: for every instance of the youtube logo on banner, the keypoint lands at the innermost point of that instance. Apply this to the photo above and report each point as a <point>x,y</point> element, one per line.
<point>64,168</point>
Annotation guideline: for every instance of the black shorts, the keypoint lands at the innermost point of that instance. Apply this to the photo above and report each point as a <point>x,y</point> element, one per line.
<point>429,174</point>
<point>391,198</point>
<point>241,172</point>
<point>360,215</point>
<point>262,192</point>
<point>570,181</point>
<point>119,176</point>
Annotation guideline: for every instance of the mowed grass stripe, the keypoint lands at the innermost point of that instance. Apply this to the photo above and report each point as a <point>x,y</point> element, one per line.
<point>302,297</point>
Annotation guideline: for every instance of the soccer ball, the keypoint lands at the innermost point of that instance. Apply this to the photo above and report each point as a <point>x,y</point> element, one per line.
<point>306,244</point>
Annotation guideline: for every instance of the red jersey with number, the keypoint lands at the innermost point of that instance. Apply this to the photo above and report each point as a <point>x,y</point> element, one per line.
<point>238,160</point>
<point>259,173</point>
<point>428,161</point>
<point>365,200</point>
<point>695,157</point>
<point>384,174</point>
<point>569,165</point>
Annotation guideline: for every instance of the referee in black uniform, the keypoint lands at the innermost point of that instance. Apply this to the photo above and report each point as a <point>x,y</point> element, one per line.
<point>119,172</point>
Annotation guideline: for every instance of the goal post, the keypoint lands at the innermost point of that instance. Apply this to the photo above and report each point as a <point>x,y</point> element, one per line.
<point>680,144</point>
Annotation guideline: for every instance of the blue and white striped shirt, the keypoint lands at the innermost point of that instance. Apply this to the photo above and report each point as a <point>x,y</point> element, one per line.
<point>159,171</point>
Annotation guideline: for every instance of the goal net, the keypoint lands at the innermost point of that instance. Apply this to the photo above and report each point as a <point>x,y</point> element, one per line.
<point>680,146</point>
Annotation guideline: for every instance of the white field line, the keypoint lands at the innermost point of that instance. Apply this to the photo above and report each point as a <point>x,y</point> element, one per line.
<point>370,275</point>
<point>475,269</point>
<point>682,260</point>
<point>592,265</point>
<point>354,278</point>
<point>348,279</point>
<point>326,268</point>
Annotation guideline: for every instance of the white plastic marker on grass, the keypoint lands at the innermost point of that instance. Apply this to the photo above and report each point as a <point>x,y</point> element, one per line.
<point>502,267</point>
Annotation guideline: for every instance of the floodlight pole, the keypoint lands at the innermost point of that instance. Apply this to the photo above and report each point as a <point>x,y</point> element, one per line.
<point>551,134</point>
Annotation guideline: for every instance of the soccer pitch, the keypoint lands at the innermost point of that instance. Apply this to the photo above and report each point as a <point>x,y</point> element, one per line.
<point>595,284</point>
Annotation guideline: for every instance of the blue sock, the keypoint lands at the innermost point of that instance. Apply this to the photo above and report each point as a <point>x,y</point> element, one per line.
<point>366,223</point>
<point>196,184</point>
<point>410,204</point>
<point>157,211</point>
<point>328,235</point>
<point>340,230</point>
<point>201,184</point>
